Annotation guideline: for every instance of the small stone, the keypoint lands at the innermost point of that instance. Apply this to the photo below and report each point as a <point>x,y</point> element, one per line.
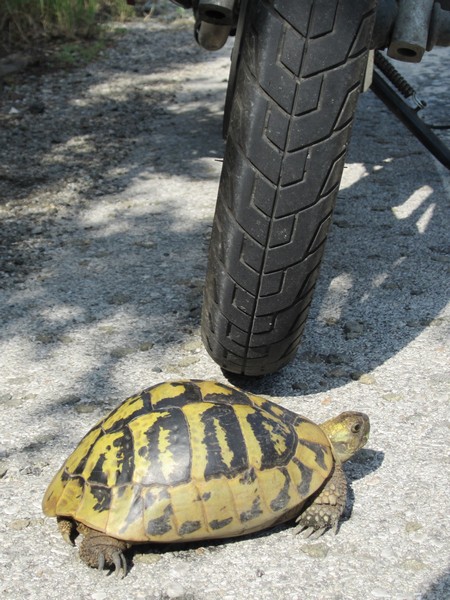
<point>45,338</point>
<point>119,298</point>
<point>144,244</point>
<point>192,345</point>
<point>337,372</point>
<point>437,322</point>
<point>19,524</point>
<point>188,360</point>
<point>121,352</point>
<point>311,357</point>
<point>108,329</point>
<point>32,470</point>
<point>146,346</point>
<point>412,564</point>
<point>319,550</point>
<point>391,285</point>
<point>364,378</point>
<point>174,591</point>
<point>343,224</point>
<point>3,470</point>
<point>391,397</point>
<point>353,330</point>
<point>70,400</point>
<point>335,359</point>
<point>299,386</point>
<point>412,526</point>
<point>331,321</point>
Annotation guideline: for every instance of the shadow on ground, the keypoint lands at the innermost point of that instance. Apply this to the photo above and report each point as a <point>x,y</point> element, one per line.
<point>139,271</point>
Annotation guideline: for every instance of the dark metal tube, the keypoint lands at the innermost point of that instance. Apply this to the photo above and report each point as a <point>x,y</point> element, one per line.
<point>218,12</point>
<point>410,36</point>
<point>212,37</point>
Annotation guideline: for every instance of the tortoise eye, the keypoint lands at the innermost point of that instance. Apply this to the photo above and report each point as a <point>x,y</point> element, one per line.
<point>356,427</point>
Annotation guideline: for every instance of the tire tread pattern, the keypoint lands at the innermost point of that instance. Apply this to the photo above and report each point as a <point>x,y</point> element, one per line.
<point>297,85</point>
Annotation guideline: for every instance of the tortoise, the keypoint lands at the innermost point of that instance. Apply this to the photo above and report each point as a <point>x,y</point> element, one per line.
<point>196,460</point>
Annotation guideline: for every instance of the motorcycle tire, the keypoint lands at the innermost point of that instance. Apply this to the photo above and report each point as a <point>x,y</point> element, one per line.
<point>298,76</point>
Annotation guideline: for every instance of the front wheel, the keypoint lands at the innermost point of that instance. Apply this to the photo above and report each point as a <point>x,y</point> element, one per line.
<point>297,81</point>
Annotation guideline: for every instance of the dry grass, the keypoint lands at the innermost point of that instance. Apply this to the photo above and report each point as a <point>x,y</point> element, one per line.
<point>25,22</point>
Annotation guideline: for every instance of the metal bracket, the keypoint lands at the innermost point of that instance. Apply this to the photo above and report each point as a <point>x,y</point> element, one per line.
<point>411,119</point>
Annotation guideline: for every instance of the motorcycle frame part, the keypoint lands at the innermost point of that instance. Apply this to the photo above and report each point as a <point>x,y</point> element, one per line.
<point>235,55</point>
<point>408,28</point>
<point>217,12</point>
<point>439,34</point>
<point>397,80</point>
<point>211,36</point>
<point>410,118</point>
<point>410,35</point>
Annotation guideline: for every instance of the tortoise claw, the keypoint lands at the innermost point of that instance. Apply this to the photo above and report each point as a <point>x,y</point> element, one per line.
<point>309,532</point>
<point>120,564</point>
<point>67,538</point>
<point>101,562</point>
<point>315,534</point>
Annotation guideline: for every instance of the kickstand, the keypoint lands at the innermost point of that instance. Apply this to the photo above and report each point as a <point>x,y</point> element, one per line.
<point>411,119</point>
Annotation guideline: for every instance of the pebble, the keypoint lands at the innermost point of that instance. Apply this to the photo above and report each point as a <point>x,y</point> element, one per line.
<point>319,550</point>
<point>192,345</point>
<point>70,400</point>
<point>391,397</point>
<point>353,330</point>
<point>19,524</point>
<point>174,591</point>
<point>412,526</point>
<point>413,564</point>
<point>364,378</point>
<point>146,346</point>
<point>187,361</point>
<point>121,351</point>
<point>337,372</point>
<point>119,298</point>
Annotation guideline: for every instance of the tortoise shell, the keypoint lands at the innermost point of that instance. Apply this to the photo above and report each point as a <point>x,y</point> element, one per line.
<point>191,460</point>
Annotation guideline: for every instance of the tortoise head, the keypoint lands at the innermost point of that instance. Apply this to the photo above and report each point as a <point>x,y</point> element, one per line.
<point>348,432</point>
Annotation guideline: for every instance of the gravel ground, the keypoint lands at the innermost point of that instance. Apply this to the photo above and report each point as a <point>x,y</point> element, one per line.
<point>108,175</point>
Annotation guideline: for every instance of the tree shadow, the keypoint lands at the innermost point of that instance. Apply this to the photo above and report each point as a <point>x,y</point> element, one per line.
<point>439,589</point>
<point>129,278</point>
<point>380,267</point>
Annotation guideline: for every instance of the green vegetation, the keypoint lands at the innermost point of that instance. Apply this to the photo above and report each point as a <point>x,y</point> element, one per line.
<point>27,22</point>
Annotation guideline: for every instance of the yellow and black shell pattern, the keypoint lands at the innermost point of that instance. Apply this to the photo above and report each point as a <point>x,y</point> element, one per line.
<point>191,460</point>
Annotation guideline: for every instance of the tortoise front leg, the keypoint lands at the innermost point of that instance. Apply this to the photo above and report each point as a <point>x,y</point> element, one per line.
<point>326,509</point>
<point>98,549</point>
<point>67,529</point>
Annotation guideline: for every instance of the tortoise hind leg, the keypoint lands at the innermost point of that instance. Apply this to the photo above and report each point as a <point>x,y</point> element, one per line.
<point>98,549</point>
<point>326,509</point>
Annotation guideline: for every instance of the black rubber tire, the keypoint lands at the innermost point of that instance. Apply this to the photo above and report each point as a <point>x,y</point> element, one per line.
<point>298,78</point>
